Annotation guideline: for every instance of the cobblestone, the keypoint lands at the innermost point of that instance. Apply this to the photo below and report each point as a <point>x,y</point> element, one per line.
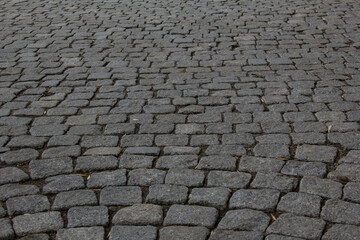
<point>191,215</point>
<point>38,222</point>
<point>302,227</point>
<point>228,108</point>
<point>183,232</point>
<point>93,233</point>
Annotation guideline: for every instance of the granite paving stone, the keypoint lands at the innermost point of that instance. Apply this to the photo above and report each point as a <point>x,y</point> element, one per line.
<point>27,204</point>
<point>191,215</point>
<point>82,233</point>
<point>183,232</point>
<point>245,220</point>
<point>297,226</point>
<point>87,216</point>
<point>342,231</point>
<point>119,232</point>
<point>139,214</point>
<point>238,119</point>
<point>37,222</point>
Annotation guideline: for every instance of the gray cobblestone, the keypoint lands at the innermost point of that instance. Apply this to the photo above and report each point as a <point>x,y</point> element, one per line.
<point>65,200</point>
<point>245,220</point>
<point>133,232</point>
<point>83,233</point>
<point>183,232</point>
<point>338,211</point>
<point>274,181</point>
<point>139,214</point>
<point>191,215</point>
<point>120,196</point>
<point>167,102</point>
<point>186,177</point>
<point>87,216</point>
<point>340,231</point>
<point>38,222</point>
<point>233,235</point>
<point>49,167</point>
<point>167,194</point>
<point>300,204</point>
<point>27,204</point>
<point>322,187</point>
<point>228,179</point>
<point>103,179</point>
<point>296,226</point>
<point>260,199</point>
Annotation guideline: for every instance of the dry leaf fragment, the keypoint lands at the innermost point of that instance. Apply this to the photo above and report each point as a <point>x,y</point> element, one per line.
<point>282,159</point>
<point>329,128</point>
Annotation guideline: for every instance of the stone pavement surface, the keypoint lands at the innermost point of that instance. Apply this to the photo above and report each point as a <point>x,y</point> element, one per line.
<point>169,119</point>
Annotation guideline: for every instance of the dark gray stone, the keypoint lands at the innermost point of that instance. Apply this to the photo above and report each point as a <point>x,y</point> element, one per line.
<point>191,215</point>
<point>39,236</point>
<point>99,141</point>
<point>316,153</point>
<point>258,164</point>
<point>87,216</point>
<point>93,163</point>
<point>167,194</point>
<point>228,179</point>
<point>135,161</point>
<point>211,197</point>
<point>133,233</point>
<point>238,138</point>
<point>19,156</point>
<point>6,230</point>
<point>63,183</point>
<point>272,150</point>
<point>65,200</point>
<point>137,140</point>
<point>83,233</point>
<point>338,211</point>
<point>352,192</point>
<point>11,175</point>
<point>298,168</point>
<point>296,226</point>
<point>63,140</point>
<point>233,150</point>
<point>49,167</point>
<point>177,161</point>
<point>171,140</point>
<point>38,222</point>
<point>184,233</point>
<point>219,162</point>
<point>219,234</point>
<point>245,220</point>
<point>27,141</point>
<point>186,177</point>
<point>104,179</point>
<point>139,214</point>
<point>351,171</point>
<point>14,190</point>
<point>124,196</point>
<point>146,177</point>
<point>27,204</point>
<point>63,151</point>
<point>260,199</point>
<point>300,204</point>
<point>343,232</point>
<point>322,187</point>
<point>274,181</point>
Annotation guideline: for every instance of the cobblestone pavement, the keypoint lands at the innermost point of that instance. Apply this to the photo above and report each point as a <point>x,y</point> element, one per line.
<point>169,119</point>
